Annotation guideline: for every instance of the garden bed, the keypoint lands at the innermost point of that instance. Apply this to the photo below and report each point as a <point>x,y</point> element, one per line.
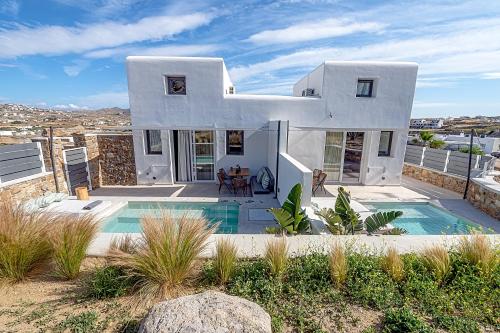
<point>303,300</point>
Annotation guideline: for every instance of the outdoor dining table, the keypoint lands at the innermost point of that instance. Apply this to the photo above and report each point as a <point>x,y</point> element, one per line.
<point>243,172</point>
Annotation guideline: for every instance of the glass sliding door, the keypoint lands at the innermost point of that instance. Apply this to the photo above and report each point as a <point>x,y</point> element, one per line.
<point>204,157</point>
<point>333,155</point>
<point>352,157</point>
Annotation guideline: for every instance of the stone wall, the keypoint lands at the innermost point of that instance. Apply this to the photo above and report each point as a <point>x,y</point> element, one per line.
<point>111,158</point>
<point>32,187</point>
<point>484,198</point>
<point>434,177</point>
<point>481,193</point>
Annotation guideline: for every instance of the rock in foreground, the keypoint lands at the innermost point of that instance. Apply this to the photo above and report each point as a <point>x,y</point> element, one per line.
<point>208,312</point>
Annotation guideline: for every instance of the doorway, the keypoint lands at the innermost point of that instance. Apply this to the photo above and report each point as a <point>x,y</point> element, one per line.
<point>353,153</point>
<point>194,155</point>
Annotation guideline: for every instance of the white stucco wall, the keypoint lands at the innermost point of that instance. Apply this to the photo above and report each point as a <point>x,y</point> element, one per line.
<point>292,172</point>
<point>153,169</point>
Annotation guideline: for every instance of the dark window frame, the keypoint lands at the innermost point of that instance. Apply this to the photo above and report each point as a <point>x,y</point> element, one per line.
<point>386,153</point>
<point>228,151</point>
<point>147,134</point>
<point>169,89</point>
<point>370,93</point>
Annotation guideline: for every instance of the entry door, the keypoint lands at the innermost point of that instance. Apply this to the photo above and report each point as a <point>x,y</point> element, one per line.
<point>332,163</point>
<point>351,169</point>
<point>204,155</point>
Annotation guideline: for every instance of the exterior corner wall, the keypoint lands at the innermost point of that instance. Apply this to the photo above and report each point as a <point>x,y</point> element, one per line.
<point>292,172</point>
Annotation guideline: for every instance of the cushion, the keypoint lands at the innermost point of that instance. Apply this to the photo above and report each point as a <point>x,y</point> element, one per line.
<point>265,180</point>
<point>260,173</point>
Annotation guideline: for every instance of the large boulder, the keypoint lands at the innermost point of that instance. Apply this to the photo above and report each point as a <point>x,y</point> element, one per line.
<point>208,312</point>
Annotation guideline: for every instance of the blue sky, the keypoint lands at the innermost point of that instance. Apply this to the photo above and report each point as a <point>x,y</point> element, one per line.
<point>70,53</point>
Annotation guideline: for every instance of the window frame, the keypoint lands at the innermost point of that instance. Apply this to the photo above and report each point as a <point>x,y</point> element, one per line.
<point>388,152</point>
<point>370,93</point>
<point>228,151</point>
<point>148,151</point>
<point>168,78</point>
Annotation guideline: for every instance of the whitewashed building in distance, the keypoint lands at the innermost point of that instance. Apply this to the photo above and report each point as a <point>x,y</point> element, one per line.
<point>349,119</point>
<point>426,123</point>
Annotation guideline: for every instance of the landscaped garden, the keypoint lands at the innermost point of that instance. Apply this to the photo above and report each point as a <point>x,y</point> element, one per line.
<point>49,285</point>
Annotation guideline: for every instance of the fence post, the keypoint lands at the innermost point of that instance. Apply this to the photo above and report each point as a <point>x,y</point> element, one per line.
<point>422,158</point>
<point>447,160</point>
<point>39,146</point>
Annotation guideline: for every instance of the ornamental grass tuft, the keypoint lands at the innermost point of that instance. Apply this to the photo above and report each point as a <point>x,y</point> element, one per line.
<point>393,265</point>
<point>338,265</point>
<point>477,250</point>
<point>437,260</point>
<point>70,238</point>
<point>276,256</point>
<point>225,259</point>
<point>164,257</point>
<point>24,246</point>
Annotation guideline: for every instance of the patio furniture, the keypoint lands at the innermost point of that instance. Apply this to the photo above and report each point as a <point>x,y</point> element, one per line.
<point>256,182</point>
<point>319,183</point>
<point>240,184</point>
<point>316,173</point>
<point>224,180</point>
<point>243,172</point>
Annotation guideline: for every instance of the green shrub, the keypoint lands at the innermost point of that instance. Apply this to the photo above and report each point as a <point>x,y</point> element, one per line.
<point>225,259</point>
<point>85,322</point>
<point>402,320</point>
<point>24,246</point>
<point>107,282</point>
<point>70,237</point>
<point>457,324</point>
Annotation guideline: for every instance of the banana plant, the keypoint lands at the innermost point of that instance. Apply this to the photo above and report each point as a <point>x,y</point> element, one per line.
<point>291,217</point>
<point>344,220</point>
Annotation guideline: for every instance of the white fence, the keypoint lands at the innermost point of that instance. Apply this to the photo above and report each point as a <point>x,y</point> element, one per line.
<point>20,160</point>
<point>453,162</point>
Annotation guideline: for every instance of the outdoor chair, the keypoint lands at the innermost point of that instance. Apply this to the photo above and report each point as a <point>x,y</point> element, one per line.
<point>319,183</point>
<point>316,173</point>
<point>224,180</point>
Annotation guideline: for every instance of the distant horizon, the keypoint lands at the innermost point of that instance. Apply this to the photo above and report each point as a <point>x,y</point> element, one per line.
<point>70,53</point>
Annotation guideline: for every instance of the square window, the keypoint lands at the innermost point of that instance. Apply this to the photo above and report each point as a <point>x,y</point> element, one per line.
<point>234,142</point>
<point>153,142</point>
<point>176,85</point>
<point>365,88</point>
<point>385,143</point>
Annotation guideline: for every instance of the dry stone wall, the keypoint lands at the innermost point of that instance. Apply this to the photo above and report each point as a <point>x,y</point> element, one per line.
<point>111,158</point>
<point>32,188</point>
<point>437,178</point>
<point>485,199</point>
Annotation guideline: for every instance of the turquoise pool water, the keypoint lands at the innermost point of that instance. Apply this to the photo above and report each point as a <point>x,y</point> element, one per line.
<point>424,218</point>
<point>127,219</point>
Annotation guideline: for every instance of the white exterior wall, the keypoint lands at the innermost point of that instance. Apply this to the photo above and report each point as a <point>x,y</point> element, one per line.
<point>207,105</point>
<point>153,169</point>
<point>292,172</point>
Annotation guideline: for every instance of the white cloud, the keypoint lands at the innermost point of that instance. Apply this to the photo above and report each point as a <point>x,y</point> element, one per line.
<point>471,50</point>
<point>75,68</point>
<point>309,31</point>
<point>69,106</point>
<point>54,40</point>
<point>491,76</point>
<point>165,50</point>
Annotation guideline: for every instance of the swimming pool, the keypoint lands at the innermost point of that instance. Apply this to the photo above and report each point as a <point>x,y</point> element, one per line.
<point>423,218</point>
<point>127,219</point>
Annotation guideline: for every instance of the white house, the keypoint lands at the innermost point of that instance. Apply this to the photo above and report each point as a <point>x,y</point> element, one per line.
<point>349,119</point>
<point>426,123</point>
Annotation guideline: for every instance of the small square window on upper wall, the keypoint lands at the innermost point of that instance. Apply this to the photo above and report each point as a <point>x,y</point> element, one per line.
<point>176,85</point>
<point>365,88</point>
